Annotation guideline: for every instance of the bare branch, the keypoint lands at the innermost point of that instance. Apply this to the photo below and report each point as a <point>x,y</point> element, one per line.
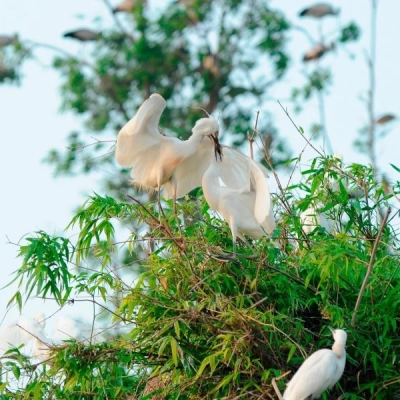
<point>369,269</point>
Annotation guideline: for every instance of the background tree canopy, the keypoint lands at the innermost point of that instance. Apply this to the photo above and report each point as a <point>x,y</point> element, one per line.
<point>219,56</point>
<point>179,321</point>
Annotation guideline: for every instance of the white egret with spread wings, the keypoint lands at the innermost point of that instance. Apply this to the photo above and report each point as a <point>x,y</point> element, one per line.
<point>157,160</point>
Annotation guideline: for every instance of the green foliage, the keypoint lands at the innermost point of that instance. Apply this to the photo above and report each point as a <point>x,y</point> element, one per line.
<point>11,57</point>
<point>199,325</point>
<point>318,80</point>
<point>349,33</point>
<point>45,267</point>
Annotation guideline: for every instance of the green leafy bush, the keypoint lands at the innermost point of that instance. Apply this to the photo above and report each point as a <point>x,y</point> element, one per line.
<point>201,325</point>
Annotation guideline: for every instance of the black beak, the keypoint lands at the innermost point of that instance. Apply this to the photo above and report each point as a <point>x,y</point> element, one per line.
<point>217,147</point>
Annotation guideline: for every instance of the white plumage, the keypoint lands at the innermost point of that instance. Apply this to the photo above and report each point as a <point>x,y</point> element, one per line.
<point>30,333</point>
<point>66,328</point>
<point>236,187</point>
<point>158,160</point>
<point>311,218</point>
<point>17,333</point>
<point>320,371</point>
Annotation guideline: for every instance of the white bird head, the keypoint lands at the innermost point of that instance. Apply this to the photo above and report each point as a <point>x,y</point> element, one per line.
<point>208,127</point>
<point>339,335</point>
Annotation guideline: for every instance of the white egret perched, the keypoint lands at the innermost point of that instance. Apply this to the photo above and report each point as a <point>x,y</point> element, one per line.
<point>17,333</point>
<point>158,160</point>
<point>236,187</point>
<point>320,371</point>
<point>319,10</point>
<point>30,333</point>
<point>127,5</point>
<point>83,35</point>
<point>316,52</point>
<point>6,40</point>
<point>311,218</point>
<point>40,348</point>
<point>384,119</point>
<point>27,332</point>
<point>75,328</point>
<point>66,328</point>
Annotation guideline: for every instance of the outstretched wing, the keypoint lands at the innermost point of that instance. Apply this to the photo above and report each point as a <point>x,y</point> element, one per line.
<point>141,132</point>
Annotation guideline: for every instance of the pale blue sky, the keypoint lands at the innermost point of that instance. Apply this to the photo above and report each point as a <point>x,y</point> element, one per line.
<point>31,122</point>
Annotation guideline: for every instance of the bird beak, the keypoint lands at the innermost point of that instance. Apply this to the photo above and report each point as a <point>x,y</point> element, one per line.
<point>332,329</point>
<point>217,147</point>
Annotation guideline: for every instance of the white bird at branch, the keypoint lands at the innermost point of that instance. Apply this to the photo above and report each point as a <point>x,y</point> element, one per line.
<point>128,5</point>
<point>40,348</point>
<point>18,333</point>
<point>83,35</point>
<point>319,10</point>
<point>320,371</point>
<point>6,40</point>
<point>30,333</point>
<point>157,160</point>
<point>235,186</point>
<point>66,328</point>
<point>311,219</point>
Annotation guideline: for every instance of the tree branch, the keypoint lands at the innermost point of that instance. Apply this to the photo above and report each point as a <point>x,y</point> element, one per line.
<point>369,269</point>
<point>117,21</point>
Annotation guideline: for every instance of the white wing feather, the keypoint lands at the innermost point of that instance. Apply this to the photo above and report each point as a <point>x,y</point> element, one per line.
<point>188,174</point>
<point>313,376</point>
<point>141,131</point>
<point>236,173</point>
<point>242,173</point>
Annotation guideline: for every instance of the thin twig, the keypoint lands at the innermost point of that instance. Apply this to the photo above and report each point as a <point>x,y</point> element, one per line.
<point>275,386</point>
<point>117,21</point>
<point>299,130</point>
<point>369,269</point>
<point>59,50</point>
<point>250,137</point>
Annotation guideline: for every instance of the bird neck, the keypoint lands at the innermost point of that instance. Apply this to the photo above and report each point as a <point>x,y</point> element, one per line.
<point>211,175</point>
<point>211,187</point>
<point>339,349</point>
<point>196,138</point>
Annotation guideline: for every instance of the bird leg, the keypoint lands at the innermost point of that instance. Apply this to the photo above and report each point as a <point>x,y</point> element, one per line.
<point>233,256</point>
<point>160,209</point>
<point>233,227</point>
<point>243,239</point>
<point>176,215</point>
<point>227,255</point>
